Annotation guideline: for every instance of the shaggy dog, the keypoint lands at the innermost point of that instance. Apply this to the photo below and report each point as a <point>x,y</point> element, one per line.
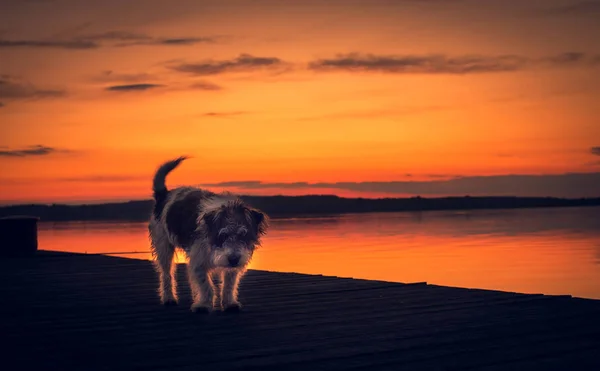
<point>218,232</point>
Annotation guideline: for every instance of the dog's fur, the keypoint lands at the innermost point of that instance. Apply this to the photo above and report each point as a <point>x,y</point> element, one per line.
<point>218,232</point>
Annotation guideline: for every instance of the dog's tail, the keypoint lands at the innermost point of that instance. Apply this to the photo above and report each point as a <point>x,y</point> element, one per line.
<point>159,186</point>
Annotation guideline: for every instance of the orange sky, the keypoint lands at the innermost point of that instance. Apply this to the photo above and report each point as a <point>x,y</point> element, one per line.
<point>96,95</point>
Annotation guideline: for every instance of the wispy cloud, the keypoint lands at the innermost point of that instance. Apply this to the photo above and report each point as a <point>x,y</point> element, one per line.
<point>568,59</point>
<point>561,185</point>
<point>57,44</point>
<point>173,86</point>
<point>133,87</point>
<point>595,151</point>
<point>224,114</point>
<point>36,150</point>
<point>243,63</point>
<point>146,81</point>
<point>110,76</point>
<point>123,38</point>
<point>443,64</point>
<point>13,88</point>
<point>105,39</point>
<point>2,104</point>
<point>250,184</point>
<point>205,85</point>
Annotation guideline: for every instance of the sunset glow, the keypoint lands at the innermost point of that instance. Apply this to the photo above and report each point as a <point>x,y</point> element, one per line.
<point>512,250</point>
<point>94,97</point>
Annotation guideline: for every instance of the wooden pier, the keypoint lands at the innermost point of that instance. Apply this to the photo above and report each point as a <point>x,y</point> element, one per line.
<point>90,312</point>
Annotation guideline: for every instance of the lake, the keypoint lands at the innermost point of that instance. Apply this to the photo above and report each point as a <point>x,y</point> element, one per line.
<point>550,251</point>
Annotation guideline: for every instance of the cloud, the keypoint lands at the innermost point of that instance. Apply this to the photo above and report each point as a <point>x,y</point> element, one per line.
<point>133,87</point>
<point>2,104</point>
<point>181,41</point>
<point>106,39</point>
<point>130,78</point>
<point>246,184</point>
<point>579,8</point>
<point>419,64</point>
<point>442,64</point>
<point>205,85</point>
<point>243,63</point>
<point>224,114</point>
<point>123,38</point>
<point>569,59</point>
<point>12,88</point>
<point>146,81</point>
<point>561,185</point>
<point>57,44</point>
<point>595,151</point>
<point>36,150</point>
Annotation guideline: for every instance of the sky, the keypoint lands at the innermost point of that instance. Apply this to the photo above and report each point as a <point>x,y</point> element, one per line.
<point>378,98</point>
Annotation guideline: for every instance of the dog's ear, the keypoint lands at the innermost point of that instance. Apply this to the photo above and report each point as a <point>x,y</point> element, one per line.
<point>261,221</point>
<point>257,216</point>
<point>210,221</point>
<point>212,225</point>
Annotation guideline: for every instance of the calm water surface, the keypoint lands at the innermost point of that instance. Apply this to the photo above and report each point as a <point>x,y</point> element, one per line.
<point>551,251</point>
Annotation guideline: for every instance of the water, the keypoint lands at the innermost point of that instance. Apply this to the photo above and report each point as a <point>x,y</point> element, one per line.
<point>550,251</point>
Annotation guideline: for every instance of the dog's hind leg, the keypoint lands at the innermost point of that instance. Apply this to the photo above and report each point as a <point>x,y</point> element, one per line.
<point>163,262</point>
<point>168,283</point>
<point>229,297</point>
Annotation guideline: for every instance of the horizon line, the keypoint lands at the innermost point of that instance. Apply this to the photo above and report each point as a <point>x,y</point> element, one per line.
<point>124,201</point>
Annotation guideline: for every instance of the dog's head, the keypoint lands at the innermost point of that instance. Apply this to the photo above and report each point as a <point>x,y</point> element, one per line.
<point>234,230</point>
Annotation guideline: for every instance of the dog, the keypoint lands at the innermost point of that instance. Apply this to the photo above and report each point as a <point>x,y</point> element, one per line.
<point>218,232</point>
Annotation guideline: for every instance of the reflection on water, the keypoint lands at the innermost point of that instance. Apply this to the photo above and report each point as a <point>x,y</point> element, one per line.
<point>551,251</point>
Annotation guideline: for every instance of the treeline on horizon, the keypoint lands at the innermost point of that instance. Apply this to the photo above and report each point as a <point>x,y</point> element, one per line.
<point>282,206</point>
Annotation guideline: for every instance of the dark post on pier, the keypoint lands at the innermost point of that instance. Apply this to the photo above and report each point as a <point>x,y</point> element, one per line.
<point>18,236</point>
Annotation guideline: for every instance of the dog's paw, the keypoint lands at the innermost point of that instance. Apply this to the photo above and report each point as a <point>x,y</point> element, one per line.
<point>232,307</point>
<point>169,303</point>
<point>201,308</point>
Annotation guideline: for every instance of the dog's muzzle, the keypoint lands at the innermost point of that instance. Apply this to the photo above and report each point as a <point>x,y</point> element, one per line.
<point>234,260</point>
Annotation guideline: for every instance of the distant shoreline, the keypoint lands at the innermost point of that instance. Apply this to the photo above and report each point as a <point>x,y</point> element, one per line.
<point>295,206</point>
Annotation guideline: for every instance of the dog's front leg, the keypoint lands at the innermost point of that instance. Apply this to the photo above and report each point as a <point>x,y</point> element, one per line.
<point>229,297</point>
<point>217,279</point>
<point>202,289</point>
